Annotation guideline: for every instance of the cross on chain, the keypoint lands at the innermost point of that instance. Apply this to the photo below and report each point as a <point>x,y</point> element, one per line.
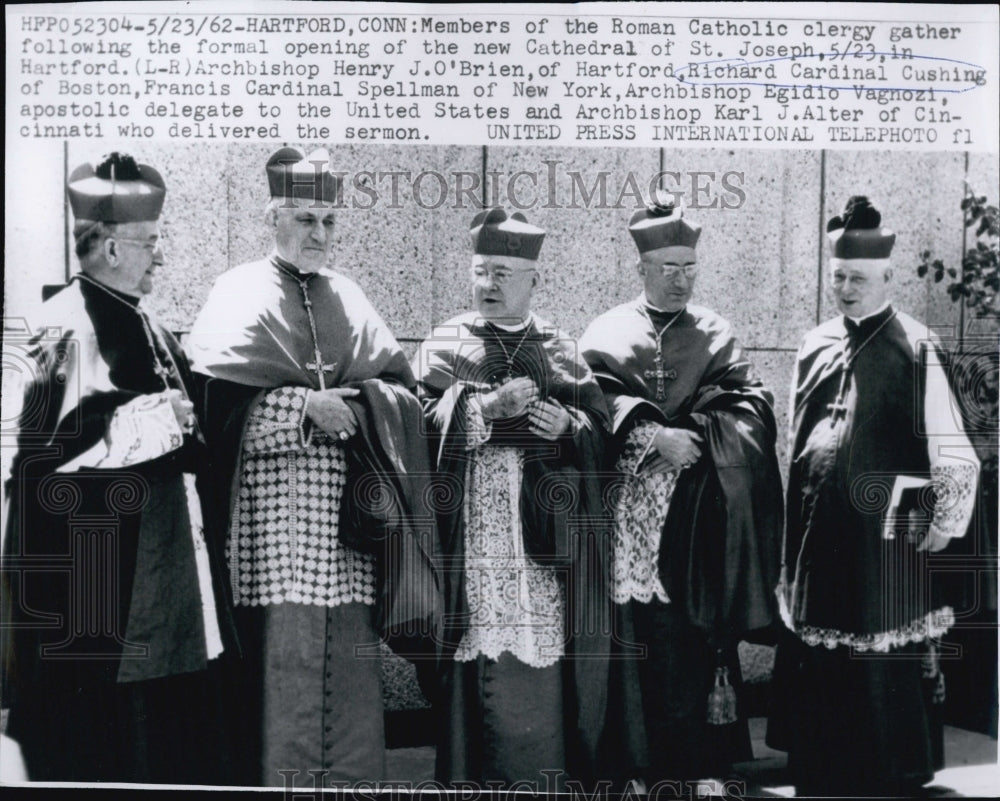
<point>836,410</point>
<point>320,368</point>
<point>839,406</point>
<point>317,362</point>
<point>660,374</point>
<point>159,368</point>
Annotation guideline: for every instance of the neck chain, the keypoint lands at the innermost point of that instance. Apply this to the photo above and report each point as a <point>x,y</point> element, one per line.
<point>660,373</point>
<point>507,355</point>
<point>317,362</point>
<point>161,371</point>
<point>839,405</point>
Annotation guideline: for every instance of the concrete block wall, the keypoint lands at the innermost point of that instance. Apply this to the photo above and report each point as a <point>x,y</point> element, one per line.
<point>763,264</point>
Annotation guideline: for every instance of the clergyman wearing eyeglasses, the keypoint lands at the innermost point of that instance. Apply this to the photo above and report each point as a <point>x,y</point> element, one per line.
<point>517,425</point>
<point>697,520</point>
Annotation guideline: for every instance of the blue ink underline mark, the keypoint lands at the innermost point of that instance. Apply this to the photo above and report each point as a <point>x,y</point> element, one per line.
<point>679,75</point>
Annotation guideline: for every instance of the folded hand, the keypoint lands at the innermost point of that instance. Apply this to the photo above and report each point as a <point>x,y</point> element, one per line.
<point>329,411</point>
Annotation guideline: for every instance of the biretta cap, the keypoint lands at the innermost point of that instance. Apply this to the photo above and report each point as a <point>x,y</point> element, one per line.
<point>662,224</point>
<point>858,232</point>
<point>118,190</point>
<point>496,234</point>
<point>291,173</point>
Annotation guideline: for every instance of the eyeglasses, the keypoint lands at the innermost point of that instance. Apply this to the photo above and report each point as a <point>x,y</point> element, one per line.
<point>673,270</point>
<point>154,249</point>
<point>500,277</point>
<point>146,244</point>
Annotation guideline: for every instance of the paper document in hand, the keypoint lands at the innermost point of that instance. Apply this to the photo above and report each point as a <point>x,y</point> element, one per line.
<point>905,499</point>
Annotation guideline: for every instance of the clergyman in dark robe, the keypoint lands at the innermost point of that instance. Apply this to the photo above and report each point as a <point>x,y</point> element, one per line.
<point>321,486</point>
<point>859,679</point>
<point>115,597</point>
<point>697,513</point>
<point>517,423</point>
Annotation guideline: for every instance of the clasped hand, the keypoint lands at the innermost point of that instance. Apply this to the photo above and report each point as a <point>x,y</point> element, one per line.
<point>546,419</point>
<point>183,410</point>
<point>930,540</point>
<point>673,449</point>
<point>329,411</point>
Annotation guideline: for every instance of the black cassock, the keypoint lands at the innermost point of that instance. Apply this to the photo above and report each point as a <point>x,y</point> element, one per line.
<point>856,684</point>
<point>114,623</point>
<point>551,493</point>
<point>717,556</point>
<point>331,548</point>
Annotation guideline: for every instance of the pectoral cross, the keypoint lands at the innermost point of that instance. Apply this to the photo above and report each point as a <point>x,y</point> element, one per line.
<point>317,362</point>
<point>839,406</point>
<point>160,353</point>
<point>660,374</point>
<point>837,409</point>
<point>320,368</point>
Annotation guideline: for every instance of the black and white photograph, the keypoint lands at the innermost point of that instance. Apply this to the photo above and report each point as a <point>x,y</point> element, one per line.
<point>590,399</point>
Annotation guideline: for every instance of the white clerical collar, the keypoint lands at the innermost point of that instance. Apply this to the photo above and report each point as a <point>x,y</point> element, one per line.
<point>879,310</point>
<point>649,304</point>
<point>516,327</point>
<point>293,269</point>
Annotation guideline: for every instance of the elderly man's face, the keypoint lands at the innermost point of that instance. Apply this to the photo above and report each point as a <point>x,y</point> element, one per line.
<point>502,287</point>
<point>860,286</point>
<point>137,254</point>
<point>668,276</point>
<point>303,232</point>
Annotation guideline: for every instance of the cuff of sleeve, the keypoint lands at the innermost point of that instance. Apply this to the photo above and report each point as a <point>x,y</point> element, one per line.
<point>279,424</point>
<point>955,487</point>
<point>642,435</point>
<point>478,428</point>
<point>142,430</point>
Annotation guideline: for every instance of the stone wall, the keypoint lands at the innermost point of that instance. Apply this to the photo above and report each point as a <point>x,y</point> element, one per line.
<point>762,265</point>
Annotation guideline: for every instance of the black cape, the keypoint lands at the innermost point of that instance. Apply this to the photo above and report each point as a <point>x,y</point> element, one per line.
<point>719,553</point>
<point>562,516</point>
<point>241,349</point>
<point>119,535</point>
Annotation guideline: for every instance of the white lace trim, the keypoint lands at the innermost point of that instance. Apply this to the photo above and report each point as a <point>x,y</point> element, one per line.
<point>932,625</point>
<point>142,430</point>
<point>477,429</point>
<point>278,424</point>
<point>283,545</point>
<point>955,489</point>
<point>139,431</point>
<point>640,510</point>
<point>515,605</point>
